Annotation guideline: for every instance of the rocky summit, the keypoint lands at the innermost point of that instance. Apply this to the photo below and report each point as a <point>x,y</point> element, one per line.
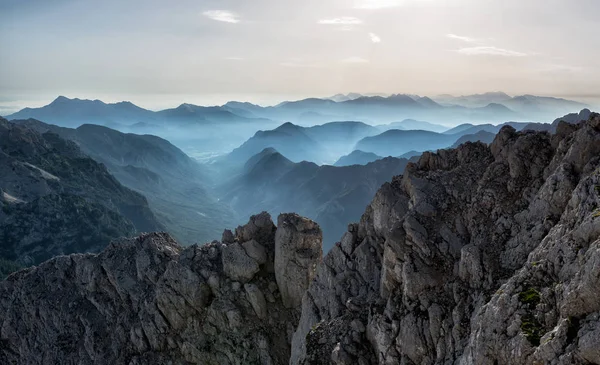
<point>475,255</point>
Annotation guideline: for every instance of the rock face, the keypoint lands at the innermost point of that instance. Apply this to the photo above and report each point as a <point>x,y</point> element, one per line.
<point>150,301</point>
<point>298,250</point>
<point>477,255</point>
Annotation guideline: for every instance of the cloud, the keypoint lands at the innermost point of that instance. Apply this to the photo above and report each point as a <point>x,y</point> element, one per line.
<point>234,58</point>
<point>355,59</point>
<point>222,16</point>
<point>345,20</point>
<point>491,51</point>
<point>462,38</point>
<point>374,38</point>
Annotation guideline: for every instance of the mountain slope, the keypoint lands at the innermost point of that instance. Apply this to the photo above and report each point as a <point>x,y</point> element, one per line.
<point>150,301</point>
<point>287,138</point>
<point>478,255</point>
<point>56,200</point>
<point>319,144</point>
<point>177,187</point>
<point>411,124</point>
<point>481,136</point>
<point>397,142</point>
<point>75,112</point>
<point>357,157</point>
<point>332,196</point>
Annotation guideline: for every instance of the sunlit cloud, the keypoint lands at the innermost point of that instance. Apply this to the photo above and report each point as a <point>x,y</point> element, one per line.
<point>355,59</point>
<point>462,38</point>
<point>490,51</point>
<point>345,20</point>
<point>374,38</point>
<point>222,16</point>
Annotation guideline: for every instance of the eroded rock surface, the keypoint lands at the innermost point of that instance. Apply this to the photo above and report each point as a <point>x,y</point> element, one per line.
<point>150,301</point>
<point>298,250</point>
<point>477,255</point>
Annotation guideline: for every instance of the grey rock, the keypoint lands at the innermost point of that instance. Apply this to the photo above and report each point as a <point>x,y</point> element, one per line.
<point>147,301</point>
<point>298,250</point>
<point>257,299</point>
<point>256,251</point>
<point>237,265</point>
<point>486,255</point>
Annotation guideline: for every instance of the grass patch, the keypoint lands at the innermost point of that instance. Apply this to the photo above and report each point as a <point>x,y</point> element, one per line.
<point>531,297</point>
<point>596,214</point>
<point>597,188</point>
<point>532,329</point>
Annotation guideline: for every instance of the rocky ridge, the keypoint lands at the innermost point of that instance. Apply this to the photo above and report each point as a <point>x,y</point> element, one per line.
<point>476,255</point>
<point>149,300</point>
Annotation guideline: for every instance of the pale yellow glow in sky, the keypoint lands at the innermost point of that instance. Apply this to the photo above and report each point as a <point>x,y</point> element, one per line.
<point>206,52</point>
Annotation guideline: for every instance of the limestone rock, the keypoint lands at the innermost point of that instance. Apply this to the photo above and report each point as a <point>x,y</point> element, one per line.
<point>148,301</point>
<point>485,255</point>
<point>298,250</point>
<point>237,265</point>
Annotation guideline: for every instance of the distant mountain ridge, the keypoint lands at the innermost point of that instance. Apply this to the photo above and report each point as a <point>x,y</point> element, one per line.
<point>357,157</point>
<point>496,107</point>
<point>330,195</point>
<point>320,143</point>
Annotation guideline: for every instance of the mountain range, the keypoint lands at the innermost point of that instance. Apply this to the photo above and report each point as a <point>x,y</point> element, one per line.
<point>357,157</point>
<point>55,200</point>
<point>474,255</point>
<point>320,144</point>
<point>331,195</point>
<point>446,110</point>
<point>177,187</point>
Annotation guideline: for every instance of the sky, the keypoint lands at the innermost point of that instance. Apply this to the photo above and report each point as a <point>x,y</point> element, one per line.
<point>160,53</point>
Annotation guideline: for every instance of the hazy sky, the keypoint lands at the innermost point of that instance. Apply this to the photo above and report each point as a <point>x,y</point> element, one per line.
<point>160,53</point>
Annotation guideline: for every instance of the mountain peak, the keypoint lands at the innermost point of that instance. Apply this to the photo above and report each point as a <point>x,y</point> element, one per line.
<point>288,126</point>
<point>60,99</point>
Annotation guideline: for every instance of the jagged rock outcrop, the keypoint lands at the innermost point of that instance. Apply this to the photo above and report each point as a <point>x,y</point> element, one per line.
<point>149,300</point>
<point>477,255</point>
<point>298,250</point>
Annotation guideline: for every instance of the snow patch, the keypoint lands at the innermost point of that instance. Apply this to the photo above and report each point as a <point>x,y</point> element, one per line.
<point>45,174</point>
<point>10,199</point>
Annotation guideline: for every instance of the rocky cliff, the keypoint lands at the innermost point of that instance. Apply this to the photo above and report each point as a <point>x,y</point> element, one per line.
<point>149,301</point>
<point>476,255</point>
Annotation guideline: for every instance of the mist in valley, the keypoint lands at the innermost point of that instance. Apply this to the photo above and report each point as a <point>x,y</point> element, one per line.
<point>206,168</point>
